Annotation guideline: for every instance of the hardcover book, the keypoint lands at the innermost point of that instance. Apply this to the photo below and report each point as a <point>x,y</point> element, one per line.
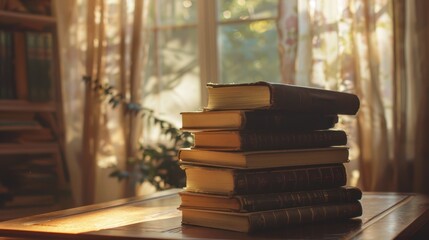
<point>257,140</point>
<point>255,120</point>
<point>264,95</point>
<point>269,201</point>
<point>265,159</point>
<point>229,181</point>
<point>264,220</point>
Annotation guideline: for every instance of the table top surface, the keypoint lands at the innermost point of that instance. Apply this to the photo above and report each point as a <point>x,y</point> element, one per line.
<point>385,216</point>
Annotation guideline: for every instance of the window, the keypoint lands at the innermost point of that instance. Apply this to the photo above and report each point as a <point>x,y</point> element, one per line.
<point>192,42</point>
<point>171,81</point>
<point>247,41</point>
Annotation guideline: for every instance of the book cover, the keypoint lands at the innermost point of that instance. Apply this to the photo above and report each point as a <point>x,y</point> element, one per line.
<point>265,220</point>
<point>265,159</point>
<point>265,95</point>
<point>262,120</point>
<point>230,181</point>
<point>264,140</point>
<point>269,201</point>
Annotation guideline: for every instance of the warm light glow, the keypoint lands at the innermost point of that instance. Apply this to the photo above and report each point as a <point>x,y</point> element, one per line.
<point>187,4</point>
<point>354,178</point>
<point>103,219</point>
<point>260,26</point>
<point>227,14</point>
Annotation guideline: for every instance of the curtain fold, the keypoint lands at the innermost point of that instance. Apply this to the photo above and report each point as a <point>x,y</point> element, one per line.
<point>91,115</point>
<point>288,38</point>
<point>134,128</point>
<point>419,73</point>
<point>378,50</point>
<point>101,40</point>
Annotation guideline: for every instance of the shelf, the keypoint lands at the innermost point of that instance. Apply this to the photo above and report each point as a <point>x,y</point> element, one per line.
<point>19,128</point>
<point>12,213</point>
<point>26,20</point>
<point>28,148</point>
<point>26,106</point>
<point>37,84</point>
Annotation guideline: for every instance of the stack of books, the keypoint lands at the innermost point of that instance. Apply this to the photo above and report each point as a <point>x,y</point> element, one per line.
<point>264,157</point>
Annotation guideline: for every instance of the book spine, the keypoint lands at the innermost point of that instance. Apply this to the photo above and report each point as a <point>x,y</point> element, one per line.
<point>290,216</point>
<point>263,120</point>
<point>314,139</point>
<point>312,100</point>
<point>10,80</point>
<point>2,65</point>
<point>20,65</point>
<point>294,179</point>
<point>262,202</point>
<point>49,67</point>
<point>31,45</point>
<point>9,67</point>
<point>40,67</point>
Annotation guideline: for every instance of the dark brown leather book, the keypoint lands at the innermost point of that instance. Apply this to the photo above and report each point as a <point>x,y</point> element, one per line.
<point>269,201</point>
<point>256,140</point>
<point>229,181</point>
<point>265,159</point>
<point>265,220</point>
<point>264,95</point>
<point>261,120</point>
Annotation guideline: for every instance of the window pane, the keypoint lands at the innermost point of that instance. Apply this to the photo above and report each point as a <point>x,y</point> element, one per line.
<point>172,12</point>
<point>248,52</point>
<point>172,81</point>
<point>246,9</point>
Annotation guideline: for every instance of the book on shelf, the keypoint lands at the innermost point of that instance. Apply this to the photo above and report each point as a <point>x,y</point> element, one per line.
<point>255,120</point>
<point>14,121</point>
<point>264,140</point>
<point>32,65</point>
<point>19,126</point>
<point>36,134</point>
<point>47,70</point>
<point>35,183</point>
<point>2,65</point>
<point>268,201</point>
<point>39,66</point>
<point>265,159</point>
<point>229,181</point>
<point>40,7</point>
<point>272,219</point>
<point>34,165</point>
<point>20,61</point>
<point>7,84</point>
<point>17,116</point>
<point>293,98</point>
<point>31,200</point>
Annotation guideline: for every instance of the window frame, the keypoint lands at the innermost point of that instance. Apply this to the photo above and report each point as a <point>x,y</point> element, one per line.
<point>208,25</point>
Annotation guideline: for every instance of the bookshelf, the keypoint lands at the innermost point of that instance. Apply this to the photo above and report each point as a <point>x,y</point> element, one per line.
<point>33,174</point>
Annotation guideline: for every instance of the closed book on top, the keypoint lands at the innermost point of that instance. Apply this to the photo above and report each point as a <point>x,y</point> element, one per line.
<point>293,98</point>
<point>265,159</point>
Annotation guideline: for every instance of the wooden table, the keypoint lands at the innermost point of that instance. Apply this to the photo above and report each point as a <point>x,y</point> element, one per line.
<point>386,216</point>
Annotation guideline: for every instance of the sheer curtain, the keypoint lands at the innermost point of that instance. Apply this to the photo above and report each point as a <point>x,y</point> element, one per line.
<point>367,47</point>
<point>101,42</point>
